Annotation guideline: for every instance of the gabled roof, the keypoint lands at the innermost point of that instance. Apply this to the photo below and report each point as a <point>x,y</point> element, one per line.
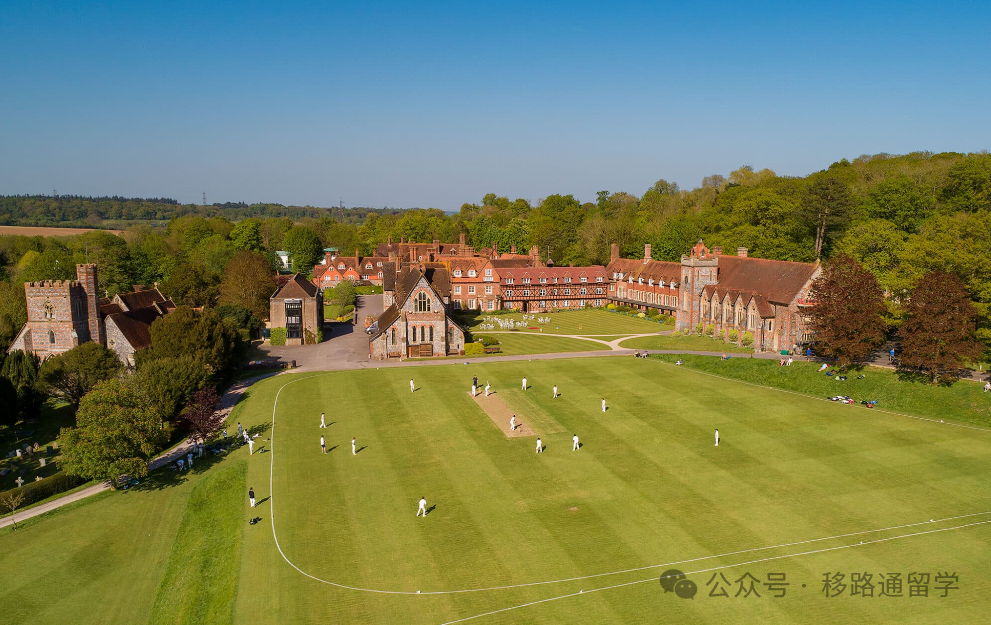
<point>135,325</point>
<point>575,273</point>
<point>656,270</point>
<point>138,299</point>
<point>386,319</point>
<point>388,276</point>
<point>778,281</point>
<point>297,287</point>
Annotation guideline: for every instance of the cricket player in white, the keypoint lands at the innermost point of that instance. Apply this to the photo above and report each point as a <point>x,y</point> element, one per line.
<point>717,437</point>
<point>574,443</point>
<point>512,423</point>
<point>540,446</point>
<point>251,447</point>
<point>323,423</point>
<point>354,451</point>
<point>487,387</point>
<point>411,387</point>
<point>554,396</point>
<point>474,390</point>
<point>603,404</point>
<point>524,384</point>
<point>422,508</point>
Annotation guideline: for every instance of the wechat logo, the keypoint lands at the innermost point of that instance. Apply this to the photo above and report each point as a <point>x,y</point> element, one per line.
<point>675,581</point>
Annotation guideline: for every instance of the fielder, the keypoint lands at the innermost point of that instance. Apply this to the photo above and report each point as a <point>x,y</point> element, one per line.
<point>540,446</point>
<point>524,383</point>
<point>323,446</point>
<point>422,508</point>
<point>603,404</point>
<point>411,386</point>
<point>251,447</point>
<point>575,445</point>
<point>554,396</point>
<point>323,423</point>
<point>354,442</point>
<point>487,387</point>
<point>717,437</point>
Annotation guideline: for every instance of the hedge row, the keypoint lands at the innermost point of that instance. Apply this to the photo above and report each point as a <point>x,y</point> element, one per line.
<point>45,488</point>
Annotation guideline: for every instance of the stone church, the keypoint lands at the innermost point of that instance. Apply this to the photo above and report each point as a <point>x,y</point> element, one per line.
<point>65,313</point>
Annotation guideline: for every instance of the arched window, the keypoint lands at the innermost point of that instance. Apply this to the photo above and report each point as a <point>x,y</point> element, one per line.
<point>423,334</point>
<point>413,334</point>
<point>49,310</point>
<point>78,307</point>
<point>51,337</point>
<point>393,336</point>
<point>431,334</point>
<point>422,302</point>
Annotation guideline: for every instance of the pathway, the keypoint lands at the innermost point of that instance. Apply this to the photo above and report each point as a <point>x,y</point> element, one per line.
<point>227,402</point>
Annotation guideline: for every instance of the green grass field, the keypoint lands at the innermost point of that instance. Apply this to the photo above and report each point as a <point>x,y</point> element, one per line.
<point>590,322</point>
<point>648,488</point>
<point>684,343</point>
<point>520,343</point>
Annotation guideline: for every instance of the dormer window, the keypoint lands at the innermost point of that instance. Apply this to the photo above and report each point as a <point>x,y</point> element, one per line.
<point>368,266</point>
<point>472,273</point>
<point>378,264</point>
<point>598,278</point>
<point>526,280</point>
<point>457,273</point>
<point>341,266</point>
<point>584,279</point>
<point>509,280</point>
<point>488,272</point>
<point>543,280</point>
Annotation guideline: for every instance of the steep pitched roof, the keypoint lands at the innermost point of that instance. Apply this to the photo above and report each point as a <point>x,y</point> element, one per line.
<point>778,281</point>
<point>138,299</point>
<point>656,270</point>
<point>388,276</point>
<point>297,287</point>
<point>386,319</point>
<point>135,325</point>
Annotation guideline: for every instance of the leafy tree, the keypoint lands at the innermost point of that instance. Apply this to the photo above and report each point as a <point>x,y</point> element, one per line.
<point>168,383</point>
<point>13,312</point>
<point>900,201</point>
<point>8,399</point>
<point>826,207</point>
<point>847,315</point>
<point>21,370</point>
<point>344,293</point>
<point>117,434</point>
<point>191,285</point>
<point>968,184</point>
<point>938,335</point>
<point>247,235</point>
<point>11,501</point>
<point>242,318</point>
<point>877,245</point>
<point>202,416</point>
<point>52,264</point>
<point>212,341</point>
<point>304,247</point>
<point>248,282</point>
<point>72,374</point>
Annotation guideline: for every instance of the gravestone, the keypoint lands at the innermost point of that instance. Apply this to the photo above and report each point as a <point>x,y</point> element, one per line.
<point>36,447</point>
<point>42,461</point>
<point>4,472</point>
<point>20,482</point>
<point>49,450</point>
<point>18,452</point>
<point>37,478</point>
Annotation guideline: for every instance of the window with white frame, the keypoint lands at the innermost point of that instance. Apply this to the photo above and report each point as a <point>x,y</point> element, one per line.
<point>472,273</point>
<point>457,273</point>
<point>457,289</point>
<point>488,289</point>
<point>471,289</point>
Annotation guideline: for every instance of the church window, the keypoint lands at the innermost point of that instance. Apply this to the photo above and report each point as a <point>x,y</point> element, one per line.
<point>51,337</point>
<point>423,334</point>
<point>49,310</point>
<point>431,334</point>
<point>422,302</point>
<point>393,336</point>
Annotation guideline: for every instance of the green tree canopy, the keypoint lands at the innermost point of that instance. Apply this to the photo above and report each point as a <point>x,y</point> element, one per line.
<point>304,247</point>
<point>72,374</point>
<point>248,282</point>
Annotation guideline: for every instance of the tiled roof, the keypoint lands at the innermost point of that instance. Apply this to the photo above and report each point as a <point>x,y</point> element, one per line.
<point>386,319</point>
<point>575,273</point>
<point>779,281</point>
<point>657,270</point>
<point>388,276</point>
<point>135,325</point>
<point>297,287</point>
<point>139,299</point>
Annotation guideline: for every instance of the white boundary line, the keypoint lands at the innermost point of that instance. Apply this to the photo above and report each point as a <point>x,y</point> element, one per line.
<point>595,575</point>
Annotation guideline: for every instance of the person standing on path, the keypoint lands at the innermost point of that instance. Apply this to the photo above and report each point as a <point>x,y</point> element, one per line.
<point>412,387</point>
<point>422,508</point>
<point>487,388</point>
<point>717,437</point>
<point>189,459</point>
<point>512,423</point>
<point>323,423</point>
<point>575,445</point>
<point>540,446</point>
<point>524,383</point>
<point>554,392</point>
<point>474,390</point>
<point>354,443</point>
<point>251,496</point>
<point>240,430</point>
<point>891,355</point>
<point>323,446</point>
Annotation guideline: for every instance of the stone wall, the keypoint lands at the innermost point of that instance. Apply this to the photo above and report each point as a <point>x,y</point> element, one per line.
<point>118,343</point>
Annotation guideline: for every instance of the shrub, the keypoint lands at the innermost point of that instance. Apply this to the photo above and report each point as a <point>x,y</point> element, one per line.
<point>641,315</point>
<point>309,338</point>
<point>277,336</point>
<point>733,334</point>
<point>721,334</point>
<point>678,333</point>
<point>487,341</point>
<point>710,329</point>
<point>43,489</point>
<point>610,306</point>
<point>748,339</point>
<point>474,349</point>
<point>347,309</point>
<point>700,329</point>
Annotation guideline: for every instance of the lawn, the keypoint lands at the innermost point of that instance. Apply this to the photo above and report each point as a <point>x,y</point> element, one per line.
<point>689,343</point>
<point>516,343</point>
<point>588,322</point>
<point>648,489</point>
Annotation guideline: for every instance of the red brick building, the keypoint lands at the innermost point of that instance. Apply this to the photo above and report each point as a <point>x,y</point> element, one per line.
<point>644,283</point>
<point>333,269</point>
<point>539,289</point>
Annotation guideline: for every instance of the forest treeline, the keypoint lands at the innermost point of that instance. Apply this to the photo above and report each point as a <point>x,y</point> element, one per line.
<point>901,216</point>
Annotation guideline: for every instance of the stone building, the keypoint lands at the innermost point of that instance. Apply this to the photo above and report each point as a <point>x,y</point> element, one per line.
<point>65,313</point>
<point>766,298</point>
<point>297,306</point>
<point>416,323</point>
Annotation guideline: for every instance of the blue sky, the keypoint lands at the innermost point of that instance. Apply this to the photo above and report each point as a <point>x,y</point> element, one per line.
<point>436,104</point>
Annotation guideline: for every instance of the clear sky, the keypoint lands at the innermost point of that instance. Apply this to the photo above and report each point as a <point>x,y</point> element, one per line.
<point>417,104</point>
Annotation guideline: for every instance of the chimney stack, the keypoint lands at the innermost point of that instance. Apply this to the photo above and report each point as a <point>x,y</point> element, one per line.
<point>742,252</point>
<point>717,250</point>
<point>390,239</point>
<point>646,253</point>
<point>461,239</point>
<point>614,251</point>
<point>512,249</point>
